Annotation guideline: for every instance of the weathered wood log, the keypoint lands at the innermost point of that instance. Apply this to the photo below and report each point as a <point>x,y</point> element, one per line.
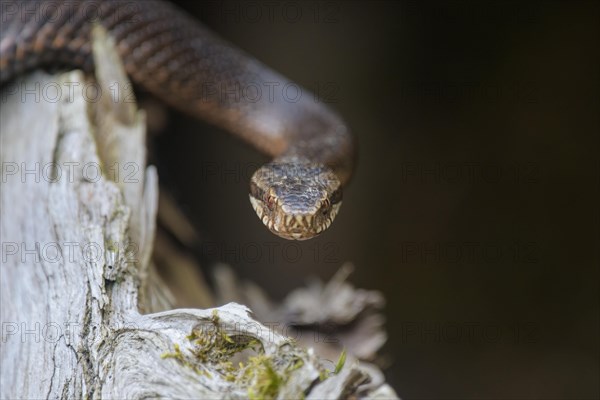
<point>78,208</point>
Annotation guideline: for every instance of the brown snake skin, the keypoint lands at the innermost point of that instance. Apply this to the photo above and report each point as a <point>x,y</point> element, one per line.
<point>169,54</point>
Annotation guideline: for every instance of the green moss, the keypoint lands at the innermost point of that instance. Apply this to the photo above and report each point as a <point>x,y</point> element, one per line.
<point>265,380</point>
<point>262,375</point>
<point>340,363</point>
<point>176,354</point>
<point>265,375</point>
<point>112,246</point>
<point>211,345</point>
<point>323,374</point>
<point>179,356</point>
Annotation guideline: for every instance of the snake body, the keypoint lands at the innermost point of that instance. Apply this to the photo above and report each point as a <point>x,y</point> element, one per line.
<point>171,55</point>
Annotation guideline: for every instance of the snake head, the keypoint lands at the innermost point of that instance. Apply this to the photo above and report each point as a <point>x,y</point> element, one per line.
<point>296,201</point>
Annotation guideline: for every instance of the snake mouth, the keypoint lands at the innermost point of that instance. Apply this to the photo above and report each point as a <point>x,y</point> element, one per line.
<point>299,232</point>
<point>297,227</point>
<point>295,234</point>
<point>294,226</point>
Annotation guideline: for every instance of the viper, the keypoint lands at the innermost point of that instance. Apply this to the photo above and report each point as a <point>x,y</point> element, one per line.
<point>171,55</point>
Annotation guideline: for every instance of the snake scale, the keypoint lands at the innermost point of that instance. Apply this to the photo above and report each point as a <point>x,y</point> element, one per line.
<point>171,55</point>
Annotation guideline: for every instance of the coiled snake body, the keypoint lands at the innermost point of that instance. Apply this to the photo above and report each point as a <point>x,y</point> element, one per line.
<point>171,55</point>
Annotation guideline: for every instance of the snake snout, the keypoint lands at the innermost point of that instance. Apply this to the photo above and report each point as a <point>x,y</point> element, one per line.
<point>298,227</point>
<point>299,223</point>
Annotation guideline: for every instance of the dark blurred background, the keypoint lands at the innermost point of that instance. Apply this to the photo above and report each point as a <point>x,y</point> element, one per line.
<point>474,208</point>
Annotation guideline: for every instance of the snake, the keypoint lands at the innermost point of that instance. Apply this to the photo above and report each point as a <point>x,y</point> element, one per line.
<point>168,53</point>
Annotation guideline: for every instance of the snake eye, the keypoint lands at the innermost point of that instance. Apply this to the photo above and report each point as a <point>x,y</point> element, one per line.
<point>270,202</point>
<point>325,207</point>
